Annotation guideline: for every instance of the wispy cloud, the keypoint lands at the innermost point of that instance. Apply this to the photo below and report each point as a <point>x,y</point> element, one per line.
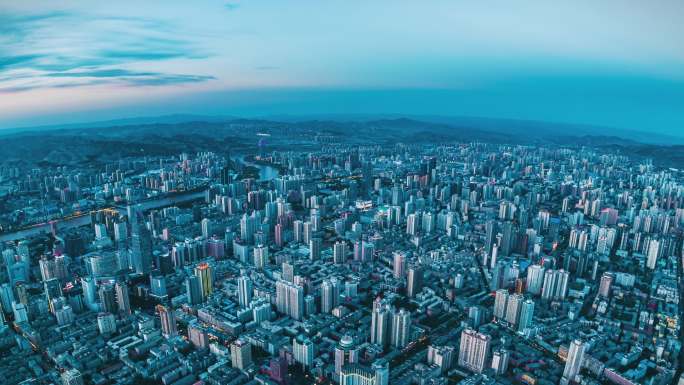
<point>36,52</point>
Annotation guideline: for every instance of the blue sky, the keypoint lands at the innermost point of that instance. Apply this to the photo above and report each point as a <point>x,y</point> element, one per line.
<point>612,63</point>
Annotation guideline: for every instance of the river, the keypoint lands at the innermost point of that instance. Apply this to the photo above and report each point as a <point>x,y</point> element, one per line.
<point>266,173</point>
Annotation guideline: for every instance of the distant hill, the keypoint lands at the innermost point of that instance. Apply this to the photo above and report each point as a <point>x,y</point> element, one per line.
<point>110,141</point>
<point>533,130</point>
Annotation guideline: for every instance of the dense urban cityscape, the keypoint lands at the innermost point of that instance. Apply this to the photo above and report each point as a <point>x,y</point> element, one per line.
<point>344,263</point>
<point>386,192</point>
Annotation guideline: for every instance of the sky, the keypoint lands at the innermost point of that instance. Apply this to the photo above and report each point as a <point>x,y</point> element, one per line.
<point>608,63</point>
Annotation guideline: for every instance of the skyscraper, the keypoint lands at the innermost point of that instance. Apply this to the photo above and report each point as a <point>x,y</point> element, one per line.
<point>247,228</point>
<point>513,309</point>
<point>555,285</point>
<point>442,356</point>
<point>260,257</point>
<point>204,273</point>
<point>474,350</point>
<point>399,266</point>
<point>401,328</point>
<point>206,228</point>
<point>606,282</point>
<point>193,289</point>
<point>108,298</point>
<point>106,323</point>
<point>141,243</point>
<point>168,321</point>
<point>244,291</point>
<point>330,294</point>
<point>573,364</point>
<point>500,360</point>
<point>526,315</point>
<point>500,302</point>
<point>339,252</point>
<point>315,245</point>
<point>414,281</point>
<point>653,252</point>
<point>535,279</point>
<point>290,299</point>
<point>241,354</point>
<point>380,324</point>
<point>122,297</point>
<point>303,350</point>
<point>346,352</point>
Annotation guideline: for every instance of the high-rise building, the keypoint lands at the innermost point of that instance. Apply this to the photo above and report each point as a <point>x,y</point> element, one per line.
<point>380,324</point>
<point>315,246</point>
<point>158,286</point>
<point>89,292</point>
<point>346,352</point>
<point>500,303</point>
<point>122,298</point>
<point>277,369</point>
<point>526,315</point>
<point>535,279</point>
<point>244,290</point>
<point>247,229</point>
<point>555,285</point>
<point>261,311</point>
<point>241,354</point>
<point>289,271</point>
<point>141,243</point>
<point>206,228</point>
<point>356,374</point>
<point>204,273</point>
<point>399,265</point>
<point>167,317</point>
<point>303,350</point>
<point>401,328</point>
<point>500,360</point>
<point>654,250</point>
<point>290,299</point>
<point>442,356</point>
<point>106,323</point>
<point>198,336</point>
<point>513,309</point>
<point>606,282</point>
<point>53,289</point>
<point>64,315</point>
<point>260,257</point>
<point>307,233</point>
<point>298,231</point>
<point>412,224</point>
<point>573,364</point>
<point>330,294</point>
<point>108,298</point>
<point>414,281</point>
<point>474,350</point>
<point>382,372</point>
<point>193,290</point>
<point>20,312</point>
<point>339,252</point>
